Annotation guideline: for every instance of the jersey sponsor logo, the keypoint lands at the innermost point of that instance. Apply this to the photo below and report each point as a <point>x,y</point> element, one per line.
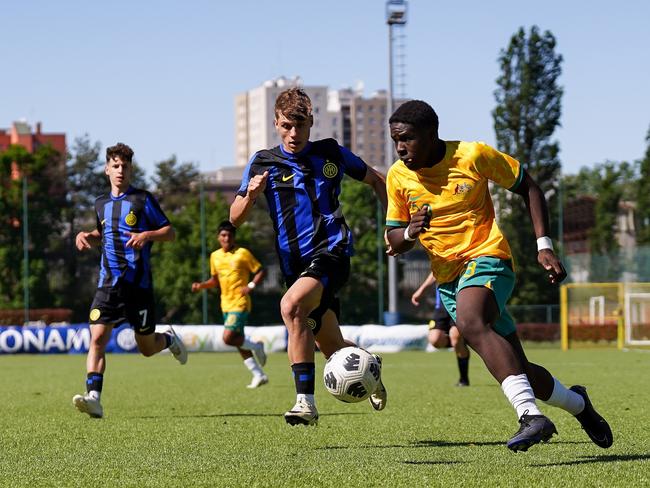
<point>287,178</point>
<point>131,219</point>
<point>462,188</point>
<point>95,313</point>
<point>330,170</point>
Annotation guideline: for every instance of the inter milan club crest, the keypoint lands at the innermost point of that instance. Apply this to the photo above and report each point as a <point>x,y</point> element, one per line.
<point>131,219</point>
<point>330,170</point>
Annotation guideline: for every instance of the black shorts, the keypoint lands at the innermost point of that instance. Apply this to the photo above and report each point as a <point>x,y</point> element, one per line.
<point>124,302</point>
<point>441,320</point>
<point>333,272</point>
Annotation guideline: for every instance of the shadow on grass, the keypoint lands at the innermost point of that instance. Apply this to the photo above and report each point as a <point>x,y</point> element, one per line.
<point>434,443</point>
<point>219,415</point>
<point>433,462</point>
<point>605,458</point>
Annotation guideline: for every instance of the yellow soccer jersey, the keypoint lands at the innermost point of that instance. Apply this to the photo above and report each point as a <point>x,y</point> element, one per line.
<point>234,270</point>
<point>462,225</point>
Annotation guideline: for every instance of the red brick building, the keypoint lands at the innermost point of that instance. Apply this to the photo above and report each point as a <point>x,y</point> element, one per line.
<point>21,133</point>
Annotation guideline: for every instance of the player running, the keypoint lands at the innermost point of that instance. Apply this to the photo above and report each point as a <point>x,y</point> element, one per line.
<point>301,180</point>
<point>129,221</point>
<point>231,268</point>
<point>438,193</point>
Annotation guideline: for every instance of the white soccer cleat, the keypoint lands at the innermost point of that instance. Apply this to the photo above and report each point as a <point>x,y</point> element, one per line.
<point>379,397</point>
<point>258,352</point>
<point>302,413</point>
<point>86,404</point>
<point>257,381</point>
<point>177,347</point>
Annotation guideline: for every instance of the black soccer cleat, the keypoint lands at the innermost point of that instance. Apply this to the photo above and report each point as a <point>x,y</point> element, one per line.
<point>533,429</point>
<point>592,423</point>
<point>462,382</point>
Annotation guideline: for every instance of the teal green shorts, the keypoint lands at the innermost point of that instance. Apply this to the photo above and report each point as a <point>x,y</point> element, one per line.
<point>493,273</point>
<point>235,321</point>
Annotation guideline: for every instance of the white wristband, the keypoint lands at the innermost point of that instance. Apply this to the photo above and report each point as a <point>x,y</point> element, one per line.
<point>407,237</point>
<point>544,243</point>
<point>251,285</point>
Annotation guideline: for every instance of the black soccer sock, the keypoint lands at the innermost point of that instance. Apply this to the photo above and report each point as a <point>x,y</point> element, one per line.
<point>303,375</point>
<point>95,382</point>
<point>463,366</point>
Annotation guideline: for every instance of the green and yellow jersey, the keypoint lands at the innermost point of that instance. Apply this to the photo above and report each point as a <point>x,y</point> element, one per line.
<point>234,269</point>
<point>462,224</point>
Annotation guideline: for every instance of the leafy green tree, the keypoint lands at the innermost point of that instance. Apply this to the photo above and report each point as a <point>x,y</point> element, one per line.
<point>44,173</point>
<point>359,297</point>
<point>179,263</point>
<point>85,182</point>
<point>527,113</point>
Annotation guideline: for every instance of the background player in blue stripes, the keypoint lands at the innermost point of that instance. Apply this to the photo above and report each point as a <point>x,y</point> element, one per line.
<point>129,220</point>
<point>301,181</point>
<point>443,331</point>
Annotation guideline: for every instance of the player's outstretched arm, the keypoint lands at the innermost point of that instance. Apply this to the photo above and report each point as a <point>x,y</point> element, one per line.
<point>377,182</point>
<point>86,240</point>
<point>429,281</point>
<point>538,211</point>
<point>212,282</point>
<point>242,205</point>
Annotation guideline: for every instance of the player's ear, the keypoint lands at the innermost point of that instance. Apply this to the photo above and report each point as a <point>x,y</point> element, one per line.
<point>311,121</point>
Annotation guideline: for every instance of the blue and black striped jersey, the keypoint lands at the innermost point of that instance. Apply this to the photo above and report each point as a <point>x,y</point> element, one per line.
<point>302,193</point>
<point>134,211</point>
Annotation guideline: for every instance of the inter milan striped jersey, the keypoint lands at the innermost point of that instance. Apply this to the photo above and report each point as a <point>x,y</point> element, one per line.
<point>302,193</point>
<point>134,211</point>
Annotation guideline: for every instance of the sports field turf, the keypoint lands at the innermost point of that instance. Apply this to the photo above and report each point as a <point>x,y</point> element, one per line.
<point>197,425</point>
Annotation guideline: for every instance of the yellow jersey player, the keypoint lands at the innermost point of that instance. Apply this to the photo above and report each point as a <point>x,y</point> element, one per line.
<point>231,268</point>
<point>472,262</point>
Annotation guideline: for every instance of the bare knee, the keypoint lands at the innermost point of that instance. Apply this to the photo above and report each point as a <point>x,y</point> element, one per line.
<point>291,310</point>
<point>231,338</point>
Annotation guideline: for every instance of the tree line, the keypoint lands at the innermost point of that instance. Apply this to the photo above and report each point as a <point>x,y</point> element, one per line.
<point>61,194</point>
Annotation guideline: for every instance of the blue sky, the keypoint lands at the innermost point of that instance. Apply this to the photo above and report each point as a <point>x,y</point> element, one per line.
<point>161,75</point>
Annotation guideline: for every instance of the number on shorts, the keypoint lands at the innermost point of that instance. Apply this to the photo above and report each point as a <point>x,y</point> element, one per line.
<point>143,314</point>
<point>231,319</point>
<point>471,269</point>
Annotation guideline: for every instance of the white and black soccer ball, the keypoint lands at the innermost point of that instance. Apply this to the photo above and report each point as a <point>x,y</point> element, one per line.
<point>351,374</point>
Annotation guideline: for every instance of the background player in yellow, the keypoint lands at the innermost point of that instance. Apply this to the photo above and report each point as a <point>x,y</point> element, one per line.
<point>438,193</point>
<point>231,268</point>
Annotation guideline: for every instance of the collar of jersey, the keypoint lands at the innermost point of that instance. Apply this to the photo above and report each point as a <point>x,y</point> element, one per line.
<point>295,155</point>
<point>128,190</point>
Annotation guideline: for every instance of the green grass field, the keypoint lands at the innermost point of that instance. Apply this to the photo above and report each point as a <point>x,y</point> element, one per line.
<point>197,425</point>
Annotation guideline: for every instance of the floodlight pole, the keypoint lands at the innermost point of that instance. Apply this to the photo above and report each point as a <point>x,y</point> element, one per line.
<point>204,274</point>
<point>25,251</point>
<point>395,15</point>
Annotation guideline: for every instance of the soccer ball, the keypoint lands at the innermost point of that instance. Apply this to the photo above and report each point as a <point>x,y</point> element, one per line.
<point>351,374</point>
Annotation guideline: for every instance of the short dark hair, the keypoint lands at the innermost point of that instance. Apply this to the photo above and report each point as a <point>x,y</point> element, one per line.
<point>294,104</point>
<point>227,226</point>
<point>417,113</point>
<point>119,150</point>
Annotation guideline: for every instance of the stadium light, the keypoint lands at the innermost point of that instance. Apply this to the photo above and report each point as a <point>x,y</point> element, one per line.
<point>395,16</point>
